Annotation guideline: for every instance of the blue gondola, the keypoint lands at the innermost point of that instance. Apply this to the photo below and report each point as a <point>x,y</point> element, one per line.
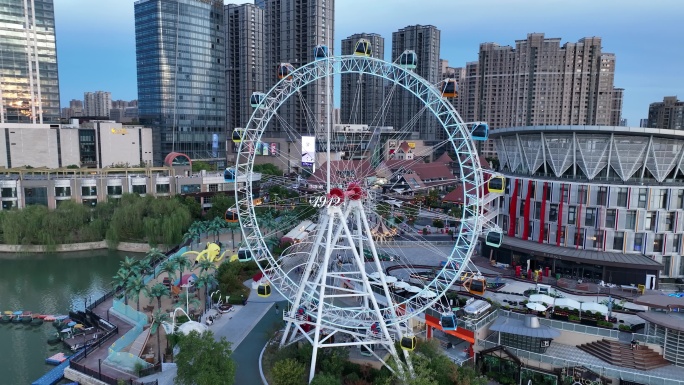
<point>448,321</point>
<point>494,238</point>
<point>408,59</point>
<point>256,99</point>
<point>363,48</point>
<point>496,184</point>
<point>320,52</point>
<point>449,88</point>
<point>480,131</point>
<point>285,71</point>
<point>229,175</point>
<point>237,135</point>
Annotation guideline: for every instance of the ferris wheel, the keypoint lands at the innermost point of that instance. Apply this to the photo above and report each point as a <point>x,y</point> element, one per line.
<point>341,216</point>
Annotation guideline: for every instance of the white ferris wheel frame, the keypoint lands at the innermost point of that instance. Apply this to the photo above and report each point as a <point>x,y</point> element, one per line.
<point>471,179</point>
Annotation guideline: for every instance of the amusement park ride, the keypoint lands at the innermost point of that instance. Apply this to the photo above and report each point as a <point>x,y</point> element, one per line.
<point>355,303</point>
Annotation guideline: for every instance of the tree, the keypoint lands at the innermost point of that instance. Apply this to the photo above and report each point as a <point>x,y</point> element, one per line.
<point>187,299</point>
<point>199,165</point>
<point>159,317</point>
<point>134,287</point>
<point>120,281</point>
<point>182,263</point>
<point>157,291</point>
<point>232,226</point>
<point>214,227</point>
<point>288,372</point>
<point>169,267</point>
<point>326,379</point>
<point>206,281</point>
<point>268,169</point>
<point>220,202</point>
<point>204,361</point>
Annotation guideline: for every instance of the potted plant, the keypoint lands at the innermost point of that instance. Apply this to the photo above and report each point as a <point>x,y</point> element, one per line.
<point>573,318</point>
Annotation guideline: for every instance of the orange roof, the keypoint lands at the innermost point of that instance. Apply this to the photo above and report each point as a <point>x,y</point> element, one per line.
<point>404,146</point>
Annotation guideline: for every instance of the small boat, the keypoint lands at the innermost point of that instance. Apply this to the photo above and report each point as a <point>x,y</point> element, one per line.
<point>54,339</point>
<point>56,359</point>
<point>26,317</point>
<point>49,318</point>
<point>36,321</point>
<point>6,319</point>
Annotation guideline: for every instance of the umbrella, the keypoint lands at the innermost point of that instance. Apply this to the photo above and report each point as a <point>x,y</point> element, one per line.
<point>567,302</point>
<point>375,275</point>
<point>7,312</point>
<point>72,323</point>
<point>187,279</point>
<point>402,285</point>
<point>595,307</point>
<point>536,306</point>
<point>78,326</point>
<point>427,294</point>
<point>413,289</point>
<point>542,298</point>
<point>18,312</point>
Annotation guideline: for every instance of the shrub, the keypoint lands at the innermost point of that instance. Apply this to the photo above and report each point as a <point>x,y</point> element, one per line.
<point>624,328</point>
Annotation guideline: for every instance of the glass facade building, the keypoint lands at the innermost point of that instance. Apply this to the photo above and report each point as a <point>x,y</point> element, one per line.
<point>180,52</point>
<point>29,82</point>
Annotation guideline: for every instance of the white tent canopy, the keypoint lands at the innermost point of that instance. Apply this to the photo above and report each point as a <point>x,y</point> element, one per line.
<point>402,285</point>
<point>536,306</point>
<point>427,294</point>
<point>390,279</point>
<point>542,298</point>
<point>595,307</point>
<point>413,289</point>
<point>567,302</point>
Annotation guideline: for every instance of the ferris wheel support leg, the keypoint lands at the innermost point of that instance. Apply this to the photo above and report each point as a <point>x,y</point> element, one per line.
<point>332,212</point>
<point>366,284</point>
<point>305,277</point>
<point>359,233</point>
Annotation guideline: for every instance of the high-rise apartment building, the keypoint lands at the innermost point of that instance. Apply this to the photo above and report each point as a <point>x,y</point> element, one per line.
<point>540,82</point>
<point>180,52</point>
<point>97,103</point>
<point>29,82</point>
<point>244,61</point>
<point>362,97</point>
<point>292,30</point>
<point>406,108</point>
<point>667,114</point>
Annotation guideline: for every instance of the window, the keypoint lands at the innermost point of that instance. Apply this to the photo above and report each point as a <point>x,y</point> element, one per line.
<point>680,199</point>
<point>114,190</point>
<point>618,240</point>
<point>677,243</point>
<point>602,196</point>
<point>572,216</point>
<point>9,192</point>
<point>666,264</point>
<point>681,265</point>
<point>553,212</point>
<point>597,240</point>
<point>537,210</point>
<point>590,217</point>
<point>622,196</point>
<point>63,191</point>
<point>638,241</point>
<point>630,220</point>
<point>522,209</point>
<point>213,188</point>
<point>562,236</point>
<point>659,199</point>
<point>140,189</point>
<point>658,243</point>
<point>643,195</point>
<point>190,188</point>
<point>669,221</point>
<point>163,189</point>
<point>582,195</point>
<point>650,223</point>
<point>87,191</point>
<point>579,238</point>
<point>566,192</point>
<point>610,218</point>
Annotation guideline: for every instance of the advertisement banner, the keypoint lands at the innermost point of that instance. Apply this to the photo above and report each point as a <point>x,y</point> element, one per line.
<point>308,151</point>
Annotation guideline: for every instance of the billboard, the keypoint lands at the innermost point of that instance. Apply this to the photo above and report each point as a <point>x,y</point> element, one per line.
<point>308,151</point>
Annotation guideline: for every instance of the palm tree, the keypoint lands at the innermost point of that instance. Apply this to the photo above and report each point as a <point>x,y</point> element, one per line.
<point>134,287</point>
<point>206,281</point>
<point>157,291</point>
<point>120,282</point>
<point>159,317</point>
<point>181,264</point>
<point>232,226</point>
<point>205,266</point>
<point>191,235</point>
<point>155,255</point>
<point>169,267</point>
<point>144,265</point>
<point>198,227</point>
<point>129,264</point>
<point>185,298</point>
<point>214,227</point>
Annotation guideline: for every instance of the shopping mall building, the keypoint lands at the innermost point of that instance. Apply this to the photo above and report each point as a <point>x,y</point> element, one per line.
<point>592,202</point>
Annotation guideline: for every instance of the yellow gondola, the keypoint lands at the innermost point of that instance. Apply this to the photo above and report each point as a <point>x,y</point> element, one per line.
<point>496,184</point>
<point>408,343</point>
<point>449,88</point>
<point>264,290</point>
<point>363,48</point>
<point>285,71</point>
<point>237,135</point>
<point>476,285</point>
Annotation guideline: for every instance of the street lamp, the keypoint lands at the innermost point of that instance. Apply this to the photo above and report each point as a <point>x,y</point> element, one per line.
<point>187,297</point>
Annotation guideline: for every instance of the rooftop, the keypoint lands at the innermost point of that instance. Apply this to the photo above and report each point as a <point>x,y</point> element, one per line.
<point>518,327</point>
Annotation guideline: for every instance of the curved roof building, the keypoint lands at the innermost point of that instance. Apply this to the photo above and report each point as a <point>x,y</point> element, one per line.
<point>593,202</point>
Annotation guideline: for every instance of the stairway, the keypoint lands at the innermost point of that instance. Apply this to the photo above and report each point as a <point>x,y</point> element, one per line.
<point>620,354</point>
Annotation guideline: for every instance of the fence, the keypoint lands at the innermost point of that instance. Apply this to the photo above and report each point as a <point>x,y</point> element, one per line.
<point>570,326</point>
<point>604,371</point>
<point>648,339</point>
<point>123,360</point>
<point>108,379</point>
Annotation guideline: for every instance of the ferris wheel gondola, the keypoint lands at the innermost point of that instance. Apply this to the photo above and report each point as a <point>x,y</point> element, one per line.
<point>285,71</point>
<point>256,99</point>
<point>237,135</point>
<point>408,60</point>
<point>320,52</point>
<point>449,88</point>
<point>363,48</point>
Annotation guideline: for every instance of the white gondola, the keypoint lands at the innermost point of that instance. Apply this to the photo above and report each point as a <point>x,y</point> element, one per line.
<point>494,238</point>
<point>408,59</point>
<point>256,99</point>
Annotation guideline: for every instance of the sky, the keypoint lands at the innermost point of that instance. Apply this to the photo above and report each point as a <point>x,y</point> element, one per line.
<point>96,38</point>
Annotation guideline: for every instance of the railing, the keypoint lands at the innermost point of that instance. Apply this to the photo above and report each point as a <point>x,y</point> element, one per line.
<point>96,374</point>
<point>648,339</point>
<point>573,327</point>
<point>414,243</point>
<point>605,371</point>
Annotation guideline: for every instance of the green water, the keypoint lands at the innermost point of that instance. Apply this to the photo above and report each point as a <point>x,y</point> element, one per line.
<point>46,284</point>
